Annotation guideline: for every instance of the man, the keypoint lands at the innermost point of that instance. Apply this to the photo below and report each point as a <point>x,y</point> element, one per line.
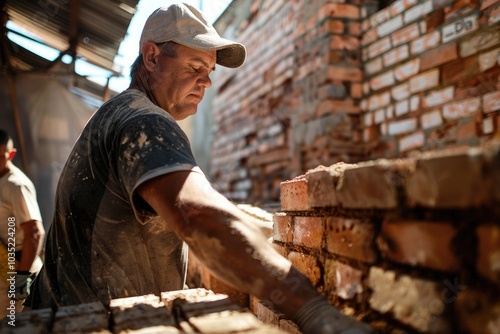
<point>21,229</point>
<point>131,196</point>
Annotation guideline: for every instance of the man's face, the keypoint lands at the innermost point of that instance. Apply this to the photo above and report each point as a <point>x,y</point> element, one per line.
<point>5,156</point>
<point>180,82</point>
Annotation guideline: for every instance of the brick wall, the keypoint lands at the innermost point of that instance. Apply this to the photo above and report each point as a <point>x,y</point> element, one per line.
<point>407,245</point>
<point>331,81</point>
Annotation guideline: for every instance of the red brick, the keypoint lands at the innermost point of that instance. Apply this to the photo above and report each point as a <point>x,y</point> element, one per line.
<point>373,66</point>
<point>282,227</point>
<point>396,56</point>
<point>340,73</point>
<point>488,249</point>
<point>486,3</point>
<point>417,12</point>
<point>412,141</point>
<point>431,119</point>
<point>413,301</point>
<point>486,39</point>
<point>383,80</point>
<point>343,280</point>
<point>390,26</point>
<point>461,109</point>
<point>459,69</point>
<point>494,16</point>
<point>293,194</point>
<point>460,28</point>
<point>379,47</point>
<point>489,59</point>
<point>398,242</point>
<point>440,55</point>
<point>488,125</point>
<point>306,264</point>
<point>340,10</point>
<point>289,327</point>
<point>398,7</point>
<point>466,130</point>
<point>426,42</point>
<point>352,238</point>
<point>424,81</point>
<point>437,183</point>
<point>322,182</point>
<point>377,101</point>
<point>438,97</point>
<point>400,92</point>
<point>405,35</point>
<point>402,107</point>
<point>380,17</point>
<point>369,37</point>
<point>477,311</point>
<point>267,314</point>
<point>402,126</point>
<point>407,70</point>
<point>491,102</point>
<point>308,231</point>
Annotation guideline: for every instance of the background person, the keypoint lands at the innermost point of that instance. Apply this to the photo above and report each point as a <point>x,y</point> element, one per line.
<point>18,204</point>
<point>131,195</point>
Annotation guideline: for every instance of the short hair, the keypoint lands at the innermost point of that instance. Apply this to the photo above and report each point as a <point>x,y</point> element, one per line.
<point>168,48</point>
<point>4,137</point>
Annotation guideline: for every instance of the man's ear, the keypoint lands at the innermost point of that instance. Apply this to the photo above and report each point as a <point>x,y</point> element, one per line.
<point>150,53</point>
<point>12,154</point>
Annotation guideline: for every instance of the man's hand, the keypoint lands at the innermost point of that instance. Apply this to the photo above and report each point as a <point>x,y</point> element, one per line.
<point>318,316</point>
<point>23,282</point>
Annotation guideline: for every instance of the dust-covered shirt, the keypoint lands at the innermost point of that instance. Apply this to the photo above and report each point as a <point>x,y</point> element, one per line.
<point>105,241</point>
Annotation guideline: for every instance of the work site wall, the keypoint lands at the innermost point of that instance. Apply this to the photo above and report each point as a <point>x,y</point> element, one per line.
<point>331,81</point>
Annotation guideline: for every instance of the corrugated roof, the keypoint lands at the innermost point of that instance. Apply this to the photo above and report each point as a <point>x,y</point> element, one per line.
<point>95,28</point>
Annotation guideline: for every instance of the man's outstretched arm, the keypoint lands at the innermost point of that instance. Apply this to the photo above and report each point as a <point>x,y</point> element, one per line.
<point>236,251</point>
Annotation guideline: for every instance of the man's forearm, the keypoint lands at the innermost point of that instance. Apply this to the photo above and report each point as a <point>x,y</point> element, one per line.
<point>33,238</point>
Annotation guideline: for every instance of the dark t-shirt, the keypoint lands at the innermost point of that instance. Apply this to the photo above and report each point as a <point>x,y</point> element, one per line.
<point>105,242</point>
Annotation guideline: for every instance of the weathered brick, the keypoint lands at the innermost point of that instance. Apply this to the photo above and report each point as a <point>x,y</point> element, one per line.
<point>342,73</point>
<point>402,107</point>
<point>488,125</point>
<point>488,259</point>
<point>380,17</point>
<point>402,126</point>
<point>377,101</point>
<point>343,280</point>
<point>395,56</point>
<point>352,238</point>
<point>407,70</point>
<point>383,80</point>
<point>306,264</point>
<point>424,81</point>
<point>414,103</point>
<point>416,12</point>
<point>398,7</point>
<point>412,141</point>
<point>413,301</point>
<point>437,183</point>
<point>426,42</point>
<point>431,119</point>
<point>379,116</point>
<point>373,66</point>
<point>405,35</point>
<point>400,92</point>
<point>368,185</point>
<point>438,97</point>
<point>461,109</point>
<point>489,59</point>
<point>460,28</point>
<point>308,231</point>
<point>477,311</point>
<point>266,314</point>
<point>491,102</point>
<point>483,40</point>
<point>340,10</point>
<point>282,227</point>
<point>433,249</point>
<point>438,56</point>
<point>390,26</point>
<point>379,47</point>
<point>289,327</point>
<point>293,195</point>
<point>322,182</point>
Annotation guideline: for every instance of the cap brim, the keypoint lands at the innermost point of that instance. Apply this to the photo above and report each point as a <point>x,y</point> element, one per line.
<point>229,54</point>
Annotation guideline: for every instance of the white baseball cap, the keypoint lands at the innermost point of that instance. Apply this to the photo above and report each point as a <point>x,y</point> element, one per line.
<point>184,24</point>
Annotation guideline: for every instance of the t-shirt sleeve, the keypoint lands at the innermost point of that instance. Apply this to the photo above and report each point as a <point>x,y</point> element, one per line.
<point>150,146</point>
<point>25,206</point>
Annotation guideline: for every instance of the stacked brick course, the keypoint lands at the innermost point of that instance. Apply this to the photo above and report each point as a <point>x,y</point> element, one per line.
<point>407,245</point>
